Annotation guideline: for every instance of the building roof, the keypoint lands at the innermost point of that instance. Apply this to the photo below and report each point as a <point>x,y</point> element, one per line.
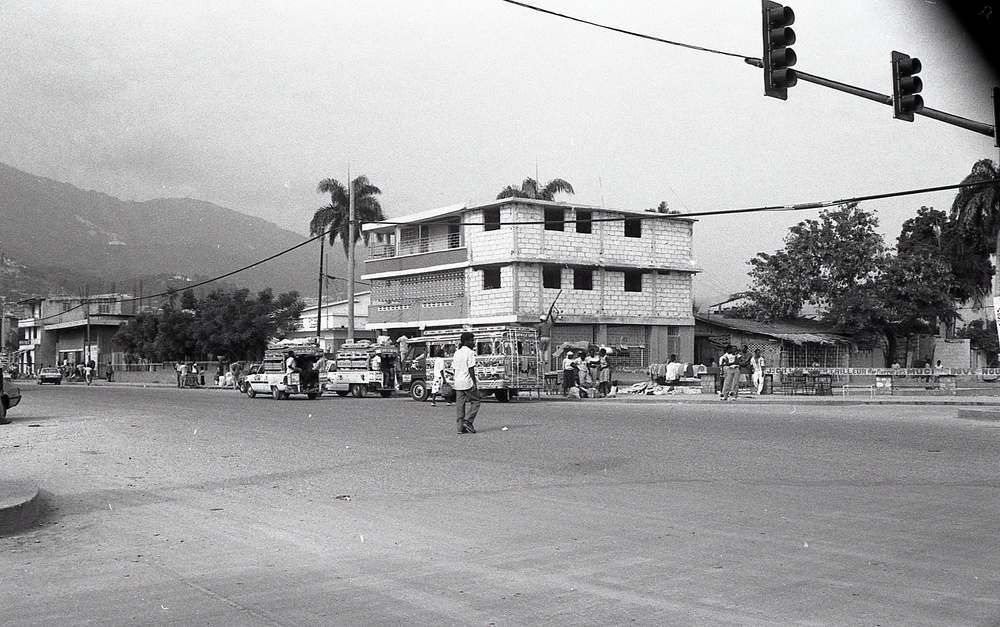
<point>450,210</point>
<point>797,331</point>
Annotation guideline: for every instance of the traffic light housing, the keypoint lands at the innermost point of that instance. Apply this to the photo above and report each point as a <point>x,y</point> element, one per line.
<point>905,86</point>
<point>778,58</point>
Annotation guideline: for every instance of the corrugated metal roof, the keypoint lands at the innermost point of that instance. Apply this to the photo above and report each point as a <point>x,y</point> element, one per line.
<point>798,331</point>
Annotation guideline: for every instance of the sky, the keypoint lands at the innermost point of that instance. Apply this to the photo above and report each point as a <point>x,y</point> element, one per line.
<point>250,104</point>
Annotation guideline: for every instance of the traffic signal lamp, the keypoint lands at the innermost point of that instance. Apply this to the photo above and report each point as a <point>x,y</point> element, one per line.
<point>905,86</point>
<point>778,58</point>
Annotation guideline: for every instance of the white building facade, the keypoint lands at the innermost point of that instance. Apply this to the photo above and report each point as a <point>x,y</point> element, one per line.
<point>620,278</point>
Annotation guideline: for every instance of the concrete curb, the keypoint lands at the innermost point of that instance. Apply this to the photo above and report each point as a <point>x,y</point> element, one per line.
<point>19,506</point>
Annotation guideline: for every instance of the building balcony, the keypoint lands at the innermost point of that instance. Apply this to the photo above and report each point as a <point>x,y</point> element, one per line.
<point>415,255</point>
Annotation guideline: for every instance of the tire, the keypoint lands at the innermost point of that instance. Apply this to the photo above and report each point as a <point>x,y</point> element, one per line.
<point>275,394</point>
<point>341,393</point>
<point>385,393</point>
<point>3,412</point>
<point>58,382</point>
<point>419,391</point>
<point>357,390</point>
<point>251,392</point>
<point>502,395</point>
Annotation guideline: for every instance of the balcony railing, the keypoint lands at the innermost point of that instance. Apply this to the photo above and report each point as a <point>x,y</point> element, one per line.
<point>415,246</point>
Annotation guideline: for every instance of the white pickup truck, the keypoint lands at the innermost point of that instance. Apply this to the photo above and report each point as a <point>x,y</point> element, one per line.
<point>272,379</point>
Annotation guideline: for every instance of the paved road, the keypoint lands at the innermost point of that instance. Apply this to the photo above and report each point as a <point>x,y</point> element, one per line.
<point>200,507</point>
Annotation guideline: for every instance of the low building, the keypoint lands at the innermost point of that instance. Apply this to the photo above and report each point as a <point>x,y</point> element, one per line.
<point>800,343</point>
<point>71,329</point>
<point>611,277</point>
<point>333,327</point>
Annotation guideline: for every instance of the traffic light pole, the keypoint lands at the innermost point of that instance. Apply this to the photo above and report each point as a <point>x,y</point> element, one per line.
<point>927,112</point>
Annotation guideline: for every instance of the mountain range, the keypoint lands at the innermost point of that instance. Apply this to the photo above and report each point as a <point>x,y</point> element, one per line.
<point>57,238</point>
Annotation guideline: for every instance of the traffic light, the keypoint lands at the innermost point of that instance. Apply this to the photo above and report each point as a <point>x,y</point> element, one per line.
<point>905,86</point>
<point>778,57</point>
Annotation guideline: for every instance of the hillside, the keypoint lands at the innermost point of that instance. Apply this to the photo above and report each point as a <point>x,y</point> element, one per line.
<point>56,237</point>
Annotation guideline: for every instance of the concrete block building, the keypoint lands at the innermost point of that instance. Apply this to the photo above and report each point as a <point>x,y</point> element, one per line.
<point>71,329</point>
<point>613,277</point>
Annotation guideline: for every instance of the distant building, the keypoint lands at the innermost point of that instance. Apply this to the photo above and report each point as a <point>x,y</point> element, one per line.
<point>71,329</point>
<point>612,277</point>
<point>333,331</point>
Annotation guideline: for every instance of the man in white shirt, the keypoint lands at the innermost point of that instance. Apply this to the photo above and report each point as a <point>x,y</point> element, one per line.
<point>466,387</point>
<point>674,370</point>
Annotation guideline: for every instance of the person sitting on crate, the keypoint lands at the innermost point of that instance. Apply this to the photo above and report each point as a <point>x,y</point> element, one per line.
<point>291,364</point>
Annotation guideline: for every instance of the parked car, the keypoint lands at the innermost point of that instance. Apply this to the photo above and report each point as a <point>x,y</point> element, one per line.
<point>49,375</point>
<point>10,396</point>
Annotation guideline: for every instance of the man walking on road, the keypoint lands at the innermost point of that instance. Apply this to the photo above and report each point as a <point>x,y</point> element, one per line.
<point>466,386</point>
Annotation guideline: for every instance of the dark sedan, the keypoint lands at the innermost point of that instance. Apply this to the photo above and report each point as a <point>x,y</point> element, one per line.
<point>10,396</point>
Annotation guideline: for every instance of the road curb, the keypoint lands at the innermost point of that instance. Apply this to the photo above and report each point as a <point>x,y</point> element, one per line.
<point>19,505</point>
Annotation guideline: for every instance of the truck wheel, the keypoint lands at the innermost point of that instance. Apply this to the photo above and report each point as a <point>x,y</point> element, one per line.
<point>418,391</point>
<point>502,395</point>
<point>357,390</point>
<point>251,392</point>
<point>341,393</point>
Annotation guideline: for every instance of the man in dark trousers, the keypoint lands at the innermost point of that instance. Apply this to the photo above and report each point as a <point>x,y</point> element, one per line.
<point>466,386</point>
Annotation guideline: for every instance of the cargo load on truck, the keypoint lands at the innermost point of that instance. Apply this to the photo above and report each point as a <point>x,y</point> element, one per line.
<point>287,369</point>
<point>364,367</point>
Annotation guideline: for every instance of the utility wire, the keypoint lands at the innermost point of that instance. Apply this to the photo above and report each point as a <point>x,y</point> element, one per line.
<point>652,215</point>
<point>625,32</point>
<point>643,216</point>
<point>171,292</point>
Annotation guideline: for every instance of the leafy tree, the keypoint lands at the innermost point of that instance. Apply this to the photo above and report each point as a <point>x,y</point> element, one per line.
<point>839,264</point>
<point>530,189</point>
<point>663,207</point>
<point>822,261</point>
<point>232,324</point>
<point>982,335</point>
<point>137,337</point>
<point>976,211</point>
<point>335,216</point>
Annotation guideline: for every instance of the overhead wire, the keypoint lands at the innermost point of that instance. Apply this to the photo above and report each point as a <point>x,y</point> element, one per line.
<point>626,32</point>
<point>631,216</point>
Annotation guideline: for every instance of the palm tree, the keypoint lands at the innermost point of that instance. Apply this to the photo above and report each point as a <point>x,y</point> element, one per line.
<point>335,216</point>
<point>976,210</point>
<point>530,189</point>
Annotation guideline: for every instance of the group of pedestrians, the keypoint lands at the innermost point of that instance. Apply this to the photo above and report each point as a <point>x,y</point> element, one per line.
<point>589,371</point>
<point>737,365</point>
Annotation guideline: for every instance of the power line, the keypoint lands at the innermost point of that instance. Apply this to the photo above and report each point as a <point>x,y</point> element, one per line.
<point>624,31</point>
<point>644,216</point>
<point>171,292</point>
<point>651,215</point>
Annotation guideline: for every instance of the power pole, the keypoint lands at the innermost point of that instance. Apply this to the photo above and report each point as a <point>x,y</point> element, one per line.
<point>350,257</point>
<point>319,308</point>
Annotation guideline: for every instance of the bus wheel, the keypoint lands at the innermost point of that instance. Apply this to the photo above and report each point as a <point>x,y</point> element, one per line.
<point>418,391</point>
<point>502,395</point>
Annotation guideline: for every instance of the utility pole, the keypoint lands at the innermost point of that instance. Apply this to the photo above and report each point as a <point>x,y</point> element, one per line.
<point>319,308</point>
<point>350,257</point>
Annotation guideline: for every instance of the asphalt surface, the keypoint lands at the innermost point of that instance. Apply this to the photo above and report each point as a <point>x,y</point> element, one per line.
<point>202,507</point>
